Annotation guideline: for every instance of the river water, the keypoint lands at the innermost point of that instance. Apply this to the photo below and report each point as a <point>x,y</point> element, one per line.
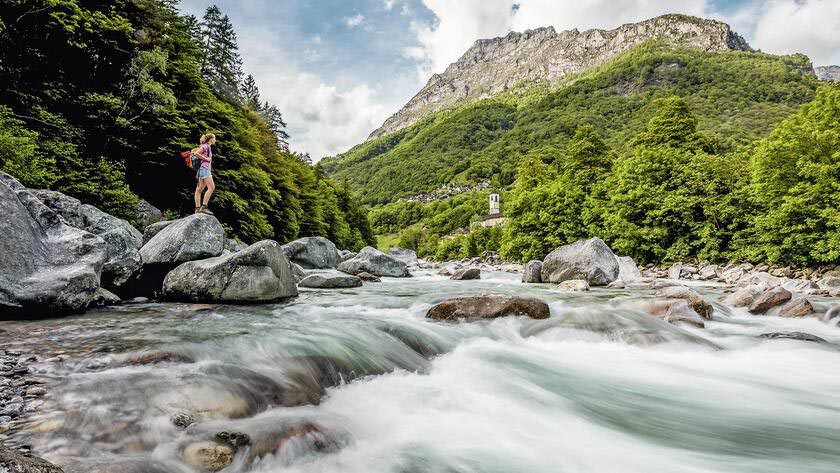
<point>594,388</point>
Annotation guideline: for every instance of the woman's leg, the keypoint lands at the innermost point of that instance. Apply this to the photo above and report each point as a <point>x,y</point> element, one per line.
<point>198,188</point>
<point>211,186</point>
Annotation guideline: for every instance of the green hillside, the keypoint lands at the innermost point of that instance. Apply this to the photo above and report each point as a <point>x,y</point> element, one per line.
<point>737,97</point>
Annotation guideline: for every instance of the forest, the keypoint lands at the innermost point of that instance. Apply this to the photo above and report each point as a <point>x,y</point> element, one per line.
<point>668,155</point>
<point>99,98</point>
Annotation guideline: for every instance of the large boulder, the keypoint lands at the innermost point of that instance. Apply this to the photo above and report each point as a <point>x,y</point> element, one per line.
<point>409,257</point>
<point>259,273</point>
<point>532,272</point>
<point>330,281</point>
<point>150,231</point>
<point>743,297</point>
<point>47,267</point>
<point>590,260</point>
<point>191,238</point>
<point>373,261</point>
<point>628,271</point>
<point>313,253</point>
<point>147,213</point>
<point>122,240</point>
<point>488,306</point>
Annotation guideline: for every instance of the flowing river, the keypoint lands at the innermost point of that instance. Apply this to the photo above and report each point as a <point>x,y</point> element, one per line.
<point>359,381</point>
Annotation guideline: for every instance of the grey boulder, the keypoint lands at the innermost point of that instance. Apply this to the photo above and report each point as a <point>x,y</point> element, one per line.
<point>466,274</point>
<point>375,262</point>
<point>313,253</point>
<point>191,238</point>
<point>47,267</point>
<point>532,272</point>
<point>155,228</point>
<point>298,272</point>
<point>259,273</point>
<point>628,271</point>
<point>321,281</point>
<point>147,213</point>
<point>409,257</point>
<point>122,240</point>
<point>12,461</point>
<point>591,260</point>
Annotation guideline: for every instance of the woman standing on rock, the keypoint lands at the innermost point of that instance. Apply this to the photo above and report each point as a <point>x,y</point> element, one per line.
<point>204,152</point>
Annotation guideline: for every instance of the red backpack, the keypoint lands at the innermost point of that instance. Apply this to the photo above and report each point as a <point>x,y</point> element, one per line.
<point>191,161</point>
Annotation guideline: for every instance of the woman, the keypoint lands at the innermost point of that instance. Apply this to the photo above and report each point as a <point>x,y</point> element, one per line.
<point>204,152</point>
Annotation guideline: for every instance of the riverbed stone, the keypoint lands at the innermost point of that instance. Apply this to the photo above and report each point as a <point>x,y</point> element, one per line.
<point>313,253</point>
<point>234,438</point>
<point>55,269</point>
<point>590,260</point>
<point>365,276</point>
<point>770,298</point>
<point>259,273</point>
<point>298,272</point>
<point>12,461</point>
<point>796,307</point>
<point>207,455</point>
<point>829,282</point>
<point>673,311</point>
<point>700,305</point>
<point>674,271</point>
<point>488,306</point>
<point>466,274</point>
<point>802,336</point>
<point>532,272</point>
<point>574,285</point>
<point>743,297</point>
<point>330,281</point>
<point>409,257</point>
<point>628,270</point>
<point>375,262</point>
<point>191,238</point>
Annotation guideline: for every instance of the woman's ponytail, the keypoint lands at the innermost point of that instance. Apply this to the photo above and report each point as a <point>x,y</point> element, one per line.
<point>202,140</point>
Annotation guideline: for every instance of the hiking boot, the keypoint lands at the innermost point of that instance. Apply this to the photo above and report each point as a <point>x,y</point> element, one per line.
<point>203,209</point>
<point>197,210</point>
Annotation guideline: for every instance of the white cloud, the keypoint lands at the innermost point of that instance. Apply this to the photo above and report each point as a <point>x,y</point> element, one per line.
<point>389,4</point>
<point>317,39</point>
<point>354,21</point>
<point>790,26</point>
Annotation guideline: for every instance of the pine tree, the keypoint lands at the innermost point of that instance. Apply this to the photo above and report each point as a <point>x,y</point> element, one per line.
<point>221,63</point>
<point>276,124</point>
<point>251,93</point>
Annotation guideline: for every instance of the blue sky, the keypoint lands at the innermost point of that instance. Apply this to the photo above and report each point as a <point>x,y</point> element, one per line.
<point>338,68</point>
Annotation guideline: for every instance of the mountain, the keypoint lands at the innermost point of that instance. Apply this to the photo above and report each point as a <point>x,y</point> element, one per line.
<point>828,73</point>
<point>493,65</point>
<point>737,94</point>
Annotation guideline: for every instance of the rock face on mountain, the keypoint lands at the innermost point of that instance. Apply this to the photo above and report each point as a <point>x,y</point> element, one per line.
<point>493,65</point>
<point>828,73</point>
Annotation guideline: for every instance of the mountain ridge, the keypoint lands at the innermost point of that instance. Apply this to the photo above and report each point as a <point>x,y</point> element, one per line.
<point>491,66</point>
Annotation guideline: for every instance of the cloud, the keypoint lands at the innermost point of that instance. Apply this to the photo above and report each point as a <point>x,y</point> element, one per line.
<point>389,4</point>
<point>354,21</point>
<point>790,26</point>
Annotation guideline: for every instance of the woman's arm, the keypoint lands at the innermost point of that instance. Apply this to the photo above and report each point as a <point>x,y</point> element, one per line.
<point>200,153</point>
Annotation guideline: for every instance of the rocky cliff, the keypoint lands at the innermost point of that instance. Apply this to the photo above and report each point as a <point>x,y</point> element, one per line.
<point>828,73</point>
<point>491,66</point>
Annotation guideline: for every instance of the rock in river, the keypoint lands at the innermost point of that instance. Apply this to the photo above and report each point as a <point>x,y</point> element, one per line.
<point>532,271</point>
<point>488,306</point>
<point>212,456</point>
<point>375,262</point>
<point>191,238</point>
<point>466,274</point>
<point>574,285</point>
<point>46,266</point>
<point>16,462</point>
<point>701,306</point>
<point>409,257</point>
<point>330,281</point>
<point>768,299</point>
<point>259,273</point>
<point>313,253</point>
<point>590,260</point>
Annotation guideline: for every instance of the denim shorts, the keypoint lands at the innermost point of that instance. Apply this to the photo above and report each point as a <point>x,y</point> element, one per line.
<point>204,172</point>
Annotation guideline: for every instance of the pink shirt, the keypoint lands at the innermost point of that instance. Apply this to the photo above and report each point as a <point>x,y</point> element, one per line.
<point>207,151</point>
